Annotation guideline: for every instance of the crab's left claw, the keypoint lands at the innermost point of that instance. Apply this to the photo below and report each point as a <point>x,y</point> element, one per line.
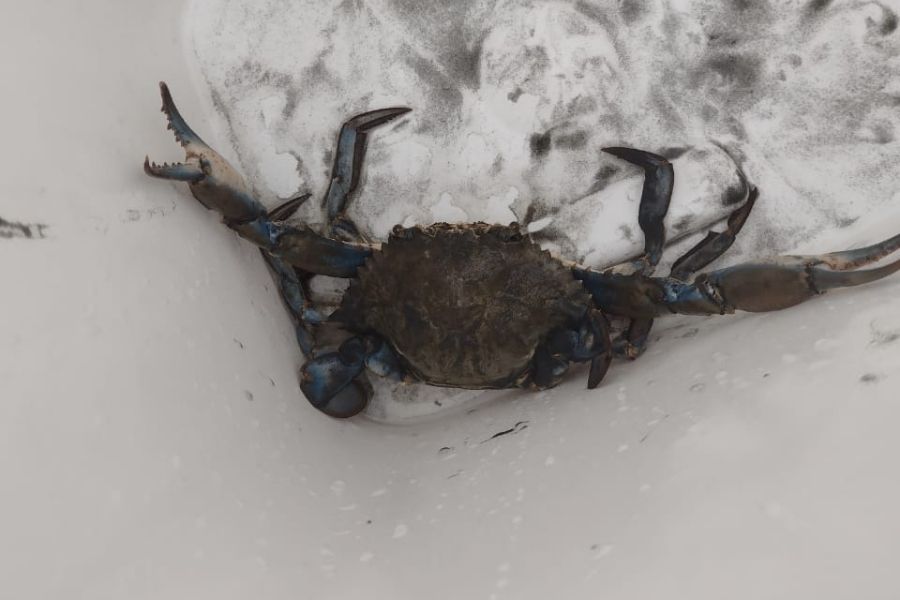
<point>334,382</point>
<point>212,180</point>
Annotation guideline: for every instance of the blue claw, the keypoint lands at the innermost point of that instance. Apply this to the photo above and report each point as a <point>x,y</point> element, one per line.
<point>212,180</point>
<point>325,376</point>
<point>334,382</point>
<point>349,401</point>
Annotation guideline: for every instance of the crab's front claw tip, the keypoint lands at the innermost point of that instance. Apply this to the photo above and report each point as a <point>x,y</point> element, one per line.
<point>372,119</point>
<point>176,172</point>
<point>183,133</point>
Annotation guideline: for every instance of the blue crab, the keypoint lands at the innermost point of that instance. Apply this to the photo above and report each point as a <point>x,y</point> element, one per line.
<point>482,306</point>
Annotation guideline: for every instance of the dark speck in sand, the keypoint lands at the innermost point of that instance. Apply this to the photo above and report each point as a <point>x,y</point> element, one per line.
<point>869,378</point>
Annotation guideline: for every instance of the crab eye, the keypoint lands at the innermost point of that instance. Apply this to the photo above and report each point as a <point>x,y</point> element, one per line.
<point>205,166</point>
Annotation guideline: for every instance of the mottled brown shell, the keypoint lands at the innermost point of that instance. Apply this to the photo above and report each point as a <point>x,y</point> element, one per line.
<point>463,305</point>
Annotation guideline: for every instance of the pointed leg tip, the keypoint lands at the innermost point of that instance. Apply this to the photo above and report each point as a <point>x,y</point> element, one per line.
<point>641,158</point>
<point>166,96</point>
<point>753,194</point>
<point>288,208</point>
<point>599,367</point>
<point>374,118</point>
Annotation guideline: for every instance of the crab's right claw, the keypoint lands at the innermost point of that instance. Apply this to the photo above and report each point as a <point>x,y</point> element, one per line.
<point>212,180</point>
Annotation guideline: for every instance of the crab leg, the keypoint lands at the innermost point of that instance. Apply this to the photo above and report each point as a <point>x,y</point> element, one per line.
<point>296,298</point>
<point>589,342</point>
<point>351,149</point>
<point>292,283</point>
<point>634,342</point>
<point>335,383</point>
<point>659,181</point>
<point>752,287</point>
<point>219,187</point>
<point>715,243</point>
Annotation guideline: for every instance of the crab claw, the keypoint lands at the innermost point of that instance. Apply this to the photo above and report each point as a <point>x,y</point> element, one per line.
<point>176,172</point>
<point>212,180</point>
<point>334,383</point>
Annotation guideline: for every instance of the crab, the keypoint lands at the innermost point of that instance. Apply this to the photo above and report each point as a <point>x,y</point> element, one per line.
<point>482,306</point>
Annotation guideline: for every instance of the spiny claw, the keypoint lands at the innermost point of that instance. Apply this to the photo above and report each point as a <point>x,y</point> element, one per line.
<point>212,180</point>
<point>183,133</point>
<point>176,171</point>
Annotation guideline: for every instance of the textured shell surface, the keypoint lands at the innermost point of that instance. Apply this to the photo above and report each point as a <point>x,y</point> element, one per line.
<point>463,305</point>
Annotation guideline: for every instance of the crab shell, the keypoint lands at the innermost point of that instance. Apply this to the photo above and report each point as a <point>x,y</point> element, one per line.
<point>463,305</point>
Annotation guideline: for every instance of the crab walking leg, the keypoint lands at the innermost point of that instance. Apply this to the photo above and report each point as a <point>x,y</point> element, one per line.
<point>659,180</point>
<point>348,162</point>
<point>292,284</point>
<point>296,298</point>
<point>715,243</point>
<point>751,287</point>
<point>303,248</point>
<point>589,342</point>
<point>634,341</point>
